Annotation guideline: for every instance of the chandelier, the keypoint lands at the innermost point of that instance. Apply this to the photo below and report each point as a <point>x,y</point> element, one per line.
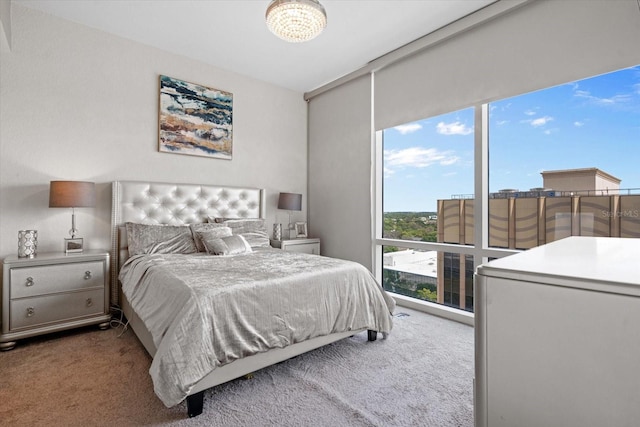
<point>296,20</point>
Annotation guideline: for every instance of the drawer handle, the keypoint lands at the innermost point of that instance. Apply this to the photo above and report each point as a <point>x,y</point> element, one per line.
<point>30,281</point>
<point>87,275</point>
<point>89,302</point>
<point>30,311</point>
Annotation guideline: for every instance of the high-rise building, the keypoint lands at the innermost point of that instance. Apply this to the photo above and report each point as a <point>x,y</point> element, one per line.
<point>572,202</point>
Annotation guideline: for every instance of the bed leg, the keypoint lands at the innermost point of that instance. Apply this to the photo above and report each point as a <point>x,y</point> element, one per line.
<point>372,335</point>
<point>195,402</point>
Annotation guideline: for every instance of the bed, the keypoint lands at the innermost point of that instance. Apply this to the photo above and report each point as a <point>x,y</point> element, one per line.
<point>233,305</point>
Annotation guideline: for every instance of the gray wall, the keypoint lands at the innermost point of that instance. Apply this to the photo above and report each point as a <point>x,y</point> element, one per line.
<point>540,44</point>
<point>80,104</point>
<point>5,25</point>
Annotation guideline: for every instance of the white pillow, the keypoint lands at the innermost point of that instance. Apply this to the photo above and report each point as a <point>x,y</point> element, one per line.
<point>252,229</point>
<point>231,245</point>
<point>212,230</point>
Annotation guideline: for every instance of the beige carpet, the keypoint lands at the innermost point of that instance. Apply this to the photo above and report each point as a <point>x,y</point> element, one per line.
<point>422,375</point>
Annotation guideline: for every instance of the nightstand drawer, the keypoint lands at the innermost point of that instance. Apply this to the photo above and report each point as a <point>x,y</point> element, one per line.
<point>41,280</point>
<point>28,312</point>
<point>308,245</point>
<point>307,248</point>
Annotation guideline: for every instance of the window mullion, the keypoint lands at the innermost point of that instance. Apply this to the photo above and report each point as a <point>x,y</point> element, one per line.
<point>481,181</point>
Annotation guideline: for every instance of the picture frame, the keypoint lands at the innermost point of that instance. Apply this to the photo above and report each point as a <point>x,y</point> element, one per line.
<point>73,245</point>
<point>194,119</point>
<point>301,230</point>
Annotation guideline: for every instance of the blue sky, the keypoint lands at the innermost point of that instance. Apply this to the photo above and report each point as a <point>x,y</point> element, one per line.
<point>589,123</point>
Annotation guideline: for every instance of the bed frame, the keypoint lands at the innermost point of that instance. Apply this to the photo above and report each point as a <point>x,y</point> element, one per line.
<point>180,204</point>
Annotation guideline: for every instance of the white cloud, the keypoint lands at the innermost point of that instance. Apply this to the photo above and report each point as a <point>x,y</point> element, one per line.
<point>636,87</point>
<point>506,107</point>
<point>455,128</point>
<point>578,124</point>
<point>502,122</point>
<point>581,93</point>
<point>449,161</point>
<point>540,121</point>
<point>410,128</point>
<point>530,113</point>
<point>418,157</point>
<point>614,100</point>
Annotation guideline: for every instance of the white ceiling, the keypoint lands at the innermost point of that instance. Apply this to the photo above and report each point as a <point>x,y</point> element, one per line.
<point>232,34</point>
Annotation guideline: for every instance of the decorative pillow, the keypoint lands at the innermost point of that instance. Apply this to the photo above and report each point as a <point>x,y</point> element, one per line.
<point>214,220</point>
<point>231,245</point>
<point>165,239</point>
<point>220,230</point>
<point>253,230</point>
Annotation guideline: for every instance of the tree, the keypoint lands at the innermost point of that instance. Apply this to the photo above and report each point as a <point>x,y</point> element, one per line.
<point>427,294</point>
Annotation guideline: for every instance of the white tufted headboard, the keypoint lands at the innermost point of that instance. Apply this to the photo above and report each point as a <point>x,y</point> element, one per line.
<point>175,204</point>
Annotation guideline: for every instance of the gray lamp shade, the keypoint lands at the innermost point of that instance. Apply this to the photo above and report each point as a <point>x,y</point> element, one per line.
<point>72,194</point>
<point>290,201</point>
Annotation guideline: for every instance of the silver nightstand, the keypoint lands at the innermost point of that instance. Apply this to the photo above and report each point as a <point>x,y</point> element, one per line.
<point>309,246</point>
<point>52,292</point>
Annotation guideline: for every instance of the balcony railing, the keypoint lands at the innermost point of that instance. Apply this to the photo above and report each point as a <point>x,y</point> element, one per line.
<point>552,193</point>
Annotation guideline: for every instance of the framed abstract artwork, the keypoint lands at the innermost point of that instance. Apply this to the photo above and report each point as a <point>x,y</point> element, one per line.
<point>195,120</point>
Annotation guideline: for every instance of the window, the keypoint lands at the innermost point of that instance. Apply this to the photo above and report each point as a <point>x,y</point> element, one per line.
<point>561,161</point>
<point>424,163</point>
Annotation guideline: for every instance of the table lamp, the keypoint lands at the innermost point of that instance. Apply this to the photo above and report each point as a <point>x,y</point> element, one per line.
<point>290,202</point>
<point>72,194</point>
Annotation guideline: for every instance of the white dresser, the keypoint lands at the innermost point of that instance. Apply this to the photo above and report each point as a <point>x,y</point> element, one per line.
<point>53,292</point>
<point>558,336</point>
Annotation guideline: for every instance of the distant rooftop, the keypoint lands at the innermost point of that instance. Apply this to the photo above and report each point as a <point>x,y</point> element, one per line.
<point>423,263</point>
<point>580,171</point>
<point>566,183</point>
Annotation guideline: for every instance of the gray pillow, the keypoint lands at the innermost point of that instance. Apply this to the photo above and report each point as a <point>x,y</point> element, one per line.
<point>218,230</point>
<point>231,245</point>
<point>253,230</point>
<point>155,238</point>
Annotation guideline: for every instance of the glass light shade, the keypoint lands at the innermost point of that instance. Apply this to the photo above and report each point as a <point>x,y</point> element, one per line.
<point>296,20</point>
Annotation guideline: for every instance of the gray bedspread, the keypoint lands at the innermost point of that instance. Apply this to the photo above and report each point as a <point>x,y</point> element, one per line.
<point>206,311</point>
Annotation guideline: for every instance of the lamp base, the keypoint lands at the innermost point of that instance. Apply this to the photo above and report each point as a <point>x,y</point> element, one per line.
<point>292,233</point>
<point>73,245</point>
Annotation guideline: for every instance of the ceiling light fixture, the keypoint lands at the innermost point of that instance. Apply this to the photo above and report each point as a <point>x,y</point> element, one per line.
<point>296,20</point>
